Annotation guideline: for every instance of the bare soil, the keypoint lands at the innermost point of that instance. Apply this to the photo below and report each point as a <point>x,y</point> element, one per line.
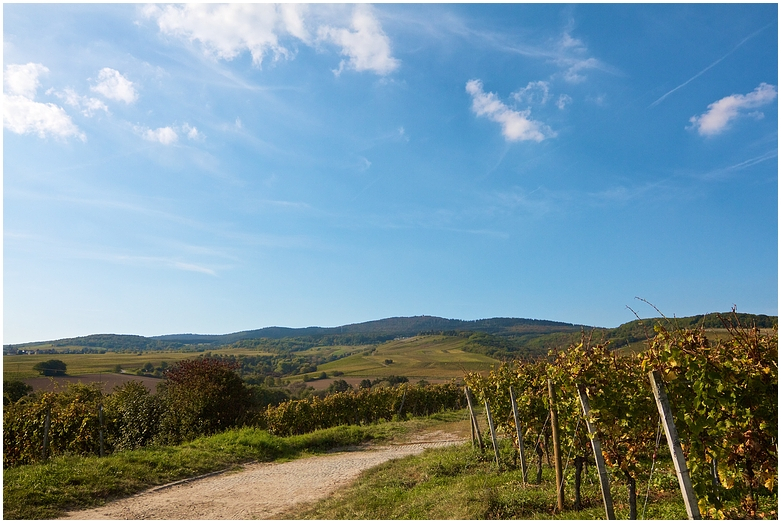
<point>261,490</point>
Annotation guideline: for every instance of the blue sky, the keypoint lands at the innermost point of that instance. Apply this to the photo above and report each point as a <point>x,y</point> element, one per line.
<point>210,169</point>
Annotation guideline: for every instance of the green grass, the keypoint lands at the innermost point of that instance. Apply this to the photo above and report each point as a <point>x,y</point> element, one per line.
<point>462,483</point>
<point>21,365</point>
<point>417,357</point>
<point>65,483</point>
<point>430,357</point>
<point>335,350</point>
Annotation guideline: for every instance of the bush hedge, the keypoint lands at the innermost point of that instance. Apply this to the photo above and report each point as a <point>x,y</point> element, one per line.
<point>197,398</point>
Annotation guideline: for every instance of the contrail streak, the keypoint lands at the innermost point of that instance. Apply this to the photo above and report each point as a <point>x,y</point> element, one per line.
<point>752,35</point>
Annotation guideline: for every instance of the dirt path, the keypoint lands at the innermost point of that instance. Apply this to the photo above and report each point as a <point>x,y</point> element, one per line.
<point>260,490</point>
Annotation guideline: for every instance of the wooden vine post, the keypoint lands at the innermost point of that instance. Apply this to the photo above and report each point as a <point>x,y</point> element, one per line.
<point>403,397</point>
<point>674,442</point>
<point>100,422</point>
<point>524,469</point>
<point>475,426</point>
<point>493,431</point>
<point>46,425</point>
<point>554,421</point>
<point>604,480</point>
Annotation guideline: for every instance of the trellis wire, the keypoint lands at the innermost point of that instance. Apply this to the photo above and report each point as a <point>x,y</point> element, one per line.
<point>572,446</point>
<point>542,431</point>
<point>653,462</point>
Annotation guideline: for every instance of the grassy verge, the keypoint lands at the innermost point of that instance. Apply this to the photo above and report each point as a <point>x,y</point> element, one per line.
<point>474,488</point>
<point>465,484</point>
<point>65,483</point>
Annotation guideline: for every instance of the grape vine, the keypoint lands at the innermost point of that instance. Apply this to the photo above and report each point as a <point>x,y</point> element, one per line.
<point>724,395</point>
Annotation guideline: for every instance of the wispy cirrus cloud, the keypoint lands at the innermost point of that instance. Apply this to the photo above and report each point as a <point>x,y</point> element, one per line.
<point>726,172</point>
<point>149,261</point>
<point>563,101</point>
<point>67,249</point>
<point>573,57</point>
<point>720,113</point>
<point>192,132</point>
<point>534,93</point>
<point>169,135</point>
<point>87,105</point>
<point>23,115</point>
<point>516,125</point>
<point>536,203</point>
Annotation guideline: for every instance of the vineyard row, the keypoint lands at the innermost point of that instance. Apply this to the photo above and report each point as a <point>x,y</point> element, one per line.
<point>723,398</point>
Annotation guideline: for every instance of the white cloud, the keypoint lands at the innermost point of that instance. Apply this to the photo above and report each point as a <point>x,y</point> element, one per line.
<point>597,99</point>
<point>534,93</point>
<point>226,31</point>
<point>163,135</point>
<point>719,114</point>
<point>516,125</point>
<point>88,106</point>
<point>23,115</point>
<point>570,43</point>
<point>293,21</point>
<point>573,57</point>
<point>191,132</point>
<point>573,73</point>
<point>114,86</point>
<point>22,80</point>
<point>192,267</point>
<point>229,29</point>
<point>563,101</point>
<point>366,46</point>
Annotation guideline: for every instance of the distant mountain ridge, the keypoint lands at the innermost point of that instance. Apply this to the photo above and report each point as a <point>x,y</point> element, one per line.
<point>395,326</point>
<point>520,328</point>
<point>398,326</point>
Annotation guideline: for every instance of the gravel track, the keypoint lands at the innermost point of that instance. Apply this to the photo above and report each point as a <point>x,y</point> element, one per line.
<point>260,490</point>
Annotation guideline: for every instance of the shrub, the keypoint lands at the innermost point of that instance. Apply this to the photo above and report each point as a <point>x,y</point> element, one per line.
<point>14,390</point>
<point>263,396</point>
<point>51,367</point>
<point>339,386</point>
<point>132,416</point>
<point>200,397</point>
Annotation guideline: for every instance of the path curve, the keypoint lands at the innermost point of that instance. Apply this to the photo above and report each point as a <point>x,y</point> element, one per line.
<point>260,490</point>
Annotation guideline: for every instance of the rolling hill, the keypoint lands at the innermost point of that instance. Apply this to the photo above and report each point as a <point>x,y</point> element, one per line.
<point>378,330</point>
<point>499,337</point>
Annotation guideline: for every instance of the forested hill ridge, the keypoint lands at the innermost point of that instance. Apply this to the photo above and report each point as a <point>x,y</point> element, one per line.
<point>505,335</point>
<point>366,332</point>
<point>397,326</point>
